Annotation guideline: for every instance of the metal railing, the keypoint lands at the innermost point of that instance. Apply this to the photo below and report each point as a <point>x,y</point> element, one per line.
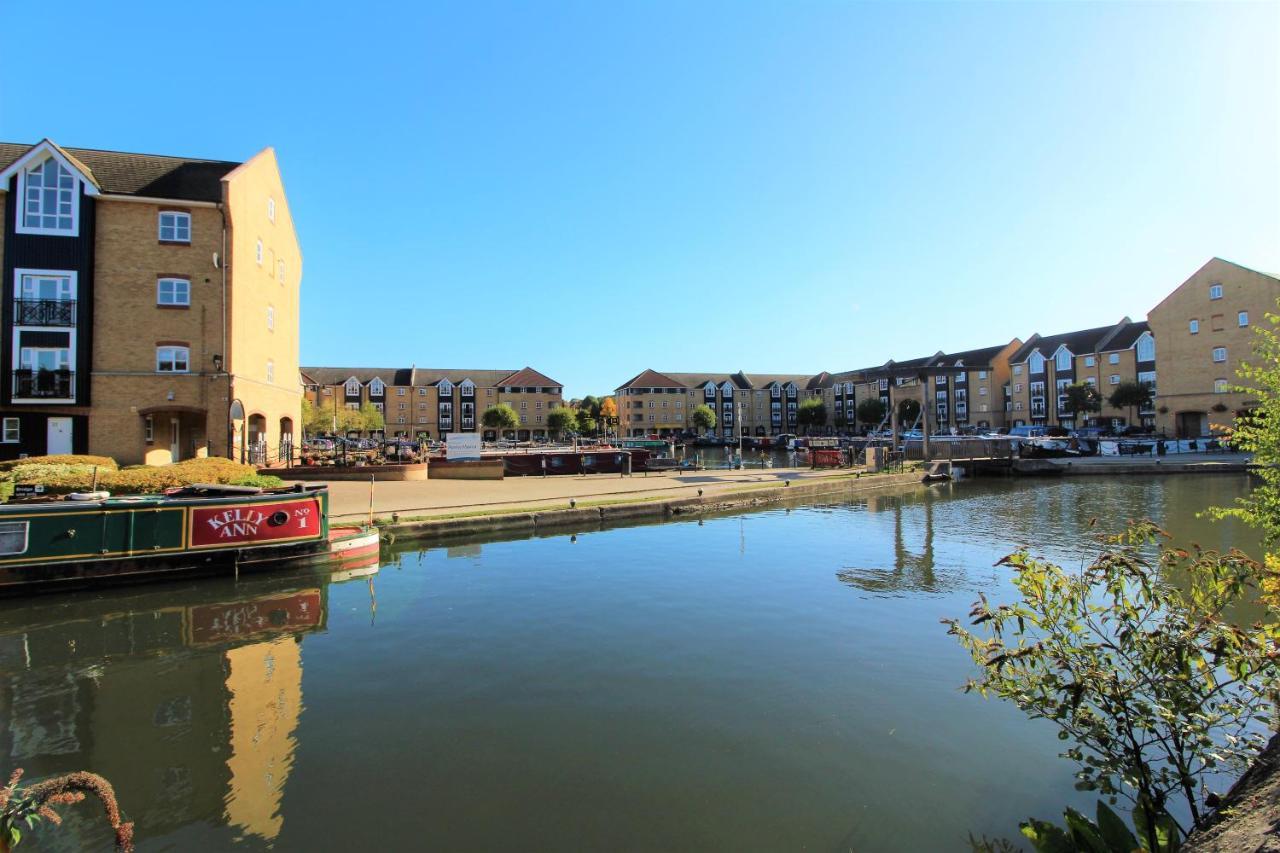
<point>44,384</point>
<point>44,312</point>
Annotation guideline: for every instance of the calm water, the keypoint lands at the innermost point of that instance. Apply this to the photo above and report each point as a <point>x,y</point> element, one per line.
<point>776,680</point>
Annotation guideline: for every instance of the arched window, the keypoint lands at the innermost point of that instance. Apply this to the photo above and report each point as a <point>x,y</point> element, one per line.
<point>1037,363</point>
<point>1146,348</point>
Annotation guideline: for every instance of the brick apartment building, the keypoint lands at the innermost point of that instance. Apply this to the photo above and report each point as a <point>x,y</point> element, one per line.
<point>152,308</point>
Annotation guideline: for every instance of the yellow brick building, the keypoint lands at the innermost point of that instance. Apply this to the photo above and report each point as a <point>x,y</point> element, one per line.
<point>153,308</point>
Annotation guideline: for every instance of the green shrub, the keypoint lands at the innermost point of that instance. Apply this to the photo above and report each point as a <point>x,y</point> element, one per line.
<point>140,479</point>
<point>262,481</point>
<point>104,462</point>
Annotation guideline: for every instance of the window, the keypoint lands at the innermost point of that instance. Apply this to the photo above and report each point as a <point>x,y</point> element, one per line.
<point>271,209</point>
<point>1062,361</point>
<point>175,227</point>
<point>1194,326</point>
<point>1146,348</point>
<point>13,537</point>
<point>1220,386</point>
<point>149,429</point>
<point>280,271</point>
<point>445,387</point>
<point>1090,361</point>
<point>1219,354</point>
<point>1017,387</point>
<point>12,431</point>
<point>271,371</point>
<point>1036,363</point>
<point>1114,379</point>
<point>353,387</point>
<point>271,319</point>
<point>400,392</point>
<point>982,392</point>
<point>422,392</point>
<point>982,374</point>
<point>376,387</point>
<point>1242,318</point>
<point>1215,291</point>
<point>173,291</point>
<point>524,404</point>
<point>258,252</point>
<point>172,359</point>
<point>1114,358</point>
<point>467,388</point>
<point>49,193</point>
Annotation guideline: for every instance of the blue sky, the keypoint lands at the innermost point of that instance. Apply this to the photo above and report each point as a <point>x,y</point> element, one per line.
<point>592,188</point>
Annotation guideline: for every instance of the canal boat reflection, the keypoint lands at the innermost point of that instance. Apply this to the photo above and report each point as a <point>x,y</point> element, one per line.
<point>186,697</point>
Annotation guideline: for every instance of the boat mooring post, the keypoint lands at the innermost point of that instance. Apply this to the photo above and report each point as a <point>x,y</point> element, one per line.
<point>371,479</point>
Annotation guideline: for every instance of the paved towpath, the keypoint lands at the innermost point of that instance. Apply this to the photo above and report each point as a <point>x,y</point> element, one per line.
<point>426,498</point>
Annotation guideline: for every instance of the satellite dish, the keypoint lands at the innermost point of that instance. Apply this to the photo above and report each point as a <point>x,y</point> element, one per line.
<point>217,263</point>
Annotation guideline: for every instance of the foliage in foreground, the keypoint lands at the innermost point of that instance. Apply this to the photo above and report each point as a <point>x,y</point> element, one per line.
<point>138,479</point>
<point>1258,433</point>
<point>24,808</point>
<point>1152,684</point>
<point>1107,834</point>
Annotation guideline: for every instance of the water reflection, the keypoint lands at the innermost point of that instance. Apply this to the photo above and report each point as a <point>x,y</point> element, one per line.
<point>186,697</point>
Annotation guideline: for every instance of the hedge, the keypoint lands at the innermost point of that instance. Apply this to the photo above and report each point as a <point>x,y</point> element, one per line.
<point>140,479</point>
<point>64,459</point>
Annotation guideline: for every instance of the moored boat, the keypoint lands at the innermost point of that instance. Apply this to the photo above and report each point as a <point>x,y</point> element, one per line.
<point>202,529</point>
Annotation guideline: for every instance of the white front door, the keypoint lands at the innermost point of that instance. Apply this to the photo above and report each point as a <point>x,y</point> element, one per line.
<point>59,436</point>
<point>174,436</point>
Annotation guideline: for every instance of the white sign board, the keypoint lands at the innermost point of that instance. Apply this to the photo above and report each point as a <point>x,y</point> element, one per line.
<point>462,445</point>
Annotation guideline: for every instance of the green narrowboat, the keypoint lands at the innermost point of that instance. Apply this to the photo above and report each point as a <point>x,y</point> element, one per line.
<point>90,538</point>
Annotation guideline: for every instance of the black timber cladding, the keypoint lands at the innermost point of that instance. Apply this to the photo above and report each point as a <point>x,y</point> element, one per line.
<point>50,252</point>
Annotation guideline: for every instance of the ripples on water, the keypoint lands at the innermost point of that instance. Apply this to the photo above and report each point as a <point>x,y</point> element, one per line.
<point>761,681</point>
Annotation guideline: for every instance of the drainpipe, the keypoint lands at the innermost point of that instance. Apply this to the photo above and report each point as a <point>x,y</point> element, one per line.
<point>226,356</point>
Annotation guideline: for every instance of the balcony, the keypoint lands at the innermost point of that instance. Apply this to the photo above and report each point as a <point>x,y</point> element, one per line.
<point>44,384</point>
<point>1037,407</point>
<point>468,423</point>
<point>44,312</point>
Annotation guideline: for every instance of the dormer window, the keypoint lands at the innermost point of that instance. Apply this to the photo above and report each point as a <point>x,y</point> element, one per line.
<point>848,388</point>
<point>1062,361</point>
<point>1036,363</point>
<point>709,391</point>
<point>445,387</point>
<point>791,391</point>
<point>353,387</point>
<point>376,387</point>
<point>175,227</point>
<point>467,388</point>
<point>49,199</point>
<point>726,391</point>
<point>1146,348</point>
<point>777,391</point>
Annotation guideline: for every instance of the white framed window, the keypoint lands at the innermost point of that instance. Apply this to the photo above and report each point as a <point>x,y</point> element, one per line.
<point>13,537</point>
<point>1215,291</point>
<point>271,371</point>
<point>1242,319</point>
<point>1146,348</point>
<point>174,226</point>
<point>271,209</point>
<point>1114,358</point>
<point>982,374</point>
<point>1114,379</point>
<point>1219,354</point>
<point>1017,387</point>
<point>280,271</point>
<point>444,387</point>
<point>271,318</point>
<point>1062,361</point>
<point>353,387</point>
<point>1220,386</point>
<point>422,392</point>
<point>258,252</point>
<point>49,205</point>
<point>376,388</point>
<point>1091,380</point>
<point>524,405</point>
<point>12,432</point>
<point>173,291</point>
<point>173,359</point>
<point>1036,363</point>
<point>467,388</point>
<point>149,429</point>
<point>982,391</point>
<point>1194,327</point>
<point>1090,361</point>
<point>1017,370</point>
<point>400,392</point>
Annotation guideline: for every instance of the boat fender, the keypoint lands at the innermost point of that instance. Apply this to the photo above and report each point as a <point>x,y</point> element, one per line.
<point>88,496</point>
<point>279,517</point>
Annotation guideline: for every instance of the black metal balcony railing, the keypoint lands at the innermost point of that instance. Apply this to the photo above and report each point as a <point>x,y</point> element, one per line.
<point>44,312</point>
<point>44,384</point>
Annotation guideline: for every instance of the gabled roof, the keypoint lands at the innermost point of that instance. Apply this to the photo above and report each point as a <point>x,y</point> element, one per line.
<point>528,376</point>
<point>976,357</point>
<point>423,376</point>
<point>364,375</point>
<point>1125,337</point>
<point>650,379</point>
<point>122,173</point>
<point>1207,265</point>
<point>1080,342</point>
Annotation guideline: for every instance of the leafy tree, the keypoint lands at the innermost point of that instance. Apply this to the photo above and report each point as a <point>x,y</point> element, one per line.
<point>608,410</point>
<point>315,419</point>
<point>1153,683</point>
<point>370,418</point>
<point>811,412</point>
<point>703,417</point>
<point>560,419</point>
<point>586,423</point>
<point>1258,432</point>
<point>1128,395</point>
<point>908,411</point>
<point>1081,397</point>
<point>871,411</point>
<point>590,405</point>
<point>500,417</point>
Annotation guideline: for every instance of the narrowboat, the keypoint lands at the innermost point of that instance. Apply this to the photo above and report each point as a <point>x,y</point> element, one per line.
<point>91,538</point>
